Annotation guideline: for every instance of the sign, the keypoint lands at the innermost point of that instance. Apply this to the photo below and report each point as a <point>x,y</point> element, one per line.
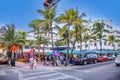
<point>14,48</point>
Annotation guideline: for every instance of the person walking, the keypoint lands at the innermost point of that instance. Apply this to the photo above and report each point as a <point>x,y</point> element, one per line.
<point>35,62</point>
<point>62,60</point>
<point>31,62</point>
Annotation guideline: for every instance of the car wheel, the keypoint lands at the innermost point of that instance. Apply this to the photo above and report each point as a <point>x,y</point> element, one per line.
<point>85,62</point>
<point>117,64</point>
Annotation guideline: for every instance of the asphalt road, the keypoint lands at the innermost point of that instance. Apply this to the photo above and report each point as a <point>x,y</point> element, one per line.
<point>99,71</point>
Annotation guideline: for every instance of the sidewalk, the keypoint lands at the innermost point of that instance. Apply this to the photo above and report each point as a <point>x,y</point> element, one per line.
<point>39,66</point>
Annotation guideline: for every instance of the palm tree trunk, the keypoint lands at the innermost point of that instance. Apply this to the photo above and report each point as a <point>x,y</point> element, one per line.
<point>80,41</point>
<point>101,44</point>
<point>39,43</point>
<point>76,37</point>
<point>68,40</point>
<point>96,45</point>
<point>39,48</point>
<point>44,44</point>
<point>21,56</point>
<point>89,45</point>
<point>113,46</point>
<point>51,34</point>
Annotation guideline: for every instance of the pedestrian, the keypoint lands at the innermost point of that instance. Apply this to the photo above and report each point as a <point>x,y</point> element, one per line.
<point>45,60</point>
<point>62,60</point>
<point>35,62</point>
<point>31,62</point>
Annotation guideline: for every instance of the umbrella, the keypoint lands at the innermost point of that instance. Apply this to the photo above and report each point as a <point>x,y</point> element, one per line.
<point>56,53</point>
<point>73,52</point>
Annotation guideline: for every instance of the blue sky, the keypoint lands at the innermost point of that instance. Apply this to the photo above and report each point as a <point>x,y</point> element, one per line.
<point>21,12</point>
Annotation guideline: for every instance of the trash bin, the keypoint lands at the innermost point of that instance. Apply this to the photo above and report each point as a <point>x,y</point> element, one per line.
<point>12,62</point>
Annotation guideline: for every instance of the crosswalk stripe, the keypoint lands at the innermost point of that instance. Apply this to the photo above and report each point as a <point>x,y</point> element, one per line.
<point>51,75</point>
<point>2,72</point>
<point>28,74</point>
<point>68,75</point>
<point>30,78</point>
<point>86,71</point>
<point>57,78</point>
<point>19,73</point>
<point>48,75</point>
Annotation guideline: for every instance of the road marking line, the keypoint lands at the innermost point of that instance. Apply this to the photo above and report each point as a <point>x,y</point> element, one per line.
<point>86,71</point>
<point>19,74</point>
<point>47,75</point>
<point>68,75</point>
<point>62,77</point>
<point>30,78</point>
<point>2,72</point>
<point>28,74</point>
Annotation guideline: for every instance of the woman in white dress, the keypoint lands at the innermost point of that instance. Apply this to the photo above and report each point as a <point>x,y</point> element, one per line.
<point>35,63</point>
<point>31,62</point>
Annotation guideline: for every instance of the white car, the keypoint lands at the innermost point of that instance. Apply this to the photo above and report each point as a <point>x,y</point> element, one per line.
<point>117,60</point>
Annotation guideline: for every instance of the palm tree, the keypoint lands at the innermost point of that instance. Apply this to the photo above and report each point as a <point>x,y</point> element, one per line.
<point>37,25</point>
<point>63,34</point>
<point>67,19</point>
<point>79,27</point>
<point>94,38</point>
<point>111,39</point>
<point>86,38</point>
<point>31,43</point>
<point>98,28</point>
<point>23,35</point>
<point>46,41</point>
<point>49,16</point>
<point>10,38</point>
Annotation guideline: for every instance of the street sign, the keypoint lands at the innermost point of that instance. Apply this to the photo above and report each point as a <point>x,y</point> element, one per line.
<point>14,48</point>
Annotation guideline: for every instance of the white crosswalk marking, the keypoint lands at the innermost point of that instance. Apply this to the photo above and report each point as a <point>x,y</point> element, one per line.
<point>57,78</point>
<point>48,75</point>
<point>43,74</point>
<point>19,73</point>
<point>29,78</point>
<point>30,74</point>
<point>2,72</point>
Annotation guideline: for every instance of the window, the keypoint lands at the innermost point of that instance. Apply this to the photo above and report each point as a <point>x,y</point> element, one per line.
<point>91,44</point>
<point>86,45</point>
<point>105,43</point>
<point>119,45</point>
<point>94,44</point>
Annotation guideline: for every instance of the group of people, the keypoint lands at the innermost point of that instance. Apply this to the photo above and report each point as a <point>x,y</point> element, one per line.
<point>50,60</point>
<point>54,60</point>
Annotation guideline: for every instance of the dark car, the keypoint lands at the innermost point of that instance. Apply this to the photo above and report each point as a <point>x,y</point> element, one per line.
<point>88,58</point>
<point>3,61</point>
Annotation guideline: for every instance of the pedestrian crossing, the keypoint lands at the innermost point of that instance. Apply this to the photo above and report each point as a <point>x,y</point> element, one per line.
<point>44,75</point>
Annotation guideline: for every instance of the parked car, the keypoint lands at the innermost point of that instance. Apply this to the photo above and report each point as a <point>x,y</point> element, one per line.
<point>88,58</point>
<point>110,57</point>
<point>117,60</point>
<point>102,58</point>
<point>3,61</point>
